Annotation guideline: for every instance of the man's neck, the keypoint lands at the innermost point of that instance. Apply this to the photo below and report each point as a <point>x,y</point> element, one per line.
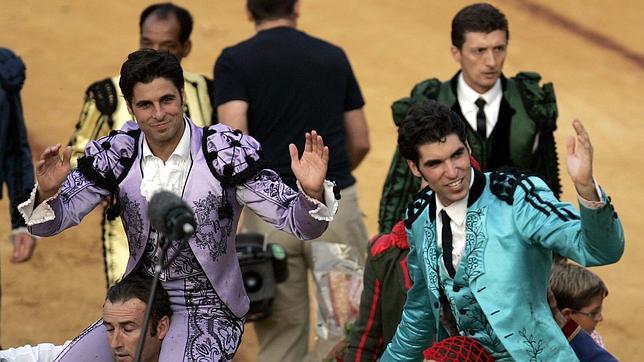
<point>276,23</point>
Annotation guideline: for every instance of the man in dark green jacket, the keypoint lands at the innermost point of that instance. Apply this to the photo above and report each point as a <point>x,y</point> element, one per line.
<point>510,121</point>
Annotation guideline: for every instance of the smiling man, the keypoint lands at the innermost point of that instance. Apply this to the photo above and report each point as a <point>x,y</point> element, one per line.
<point>509,121</point>
<point>481,244</point>
<point>215,170</point>
<point>162,26</point>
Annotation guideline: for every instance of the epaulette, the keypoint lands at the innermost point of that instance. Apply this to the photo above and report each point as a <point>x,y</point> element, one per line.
<point>397,238</point>
<point>232,158</point>
<point>107,163</point>
<point>540,101</point>
<point>104,94</point>
<point>503,185</point>
<point>427,89</point>
<point>417,205</point>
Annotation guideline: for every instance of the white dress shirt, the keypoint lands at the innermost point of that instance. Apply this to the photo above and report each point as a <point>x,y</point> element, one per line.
<point>170,175</point>
<point>467,96</point>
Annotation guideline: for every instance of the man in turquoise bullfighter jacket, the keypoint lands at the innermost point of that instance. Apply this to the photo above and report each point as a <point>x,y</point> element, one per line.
<point>481,244</point>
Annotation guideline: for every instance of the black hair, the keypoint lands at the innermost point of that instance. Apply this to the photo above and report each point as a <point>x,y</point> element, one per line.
<point>263,10</point>
<point>427,122</point>
<point>146,65</point>
<point>164,11</point>
<point>138,285</point>
<point>480,18</point>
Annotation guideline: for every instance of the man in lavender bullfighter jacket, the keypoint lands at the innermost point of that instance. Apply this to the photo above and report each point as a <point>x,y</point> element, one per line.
<point>215,170</point>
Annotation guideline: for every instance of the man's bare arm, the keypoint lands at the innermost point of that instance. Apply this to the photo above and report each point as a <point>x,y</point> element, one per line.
<point>357,134</point>
<point>234,115</point>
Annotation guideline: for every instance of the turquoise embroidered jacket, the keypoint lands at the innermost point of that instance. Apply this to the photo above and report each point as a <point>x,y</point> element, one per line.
<point>513,224</point>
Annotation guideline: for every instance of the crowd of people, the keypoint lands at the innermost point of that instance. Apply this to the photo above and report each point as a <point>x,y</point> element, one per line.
<point>474,260</point>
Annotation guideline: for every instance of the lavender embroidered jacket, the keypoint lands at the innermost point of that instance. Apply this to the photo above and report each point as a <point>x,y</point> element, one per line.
<point>224,175</point>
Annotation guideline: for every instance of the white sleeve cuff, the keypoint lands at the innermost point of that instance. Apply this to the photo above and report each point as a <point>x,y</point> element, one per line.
<point>323,211</point>
<point>19,230</point>
<point>41,213</point>
<point>593,204</point>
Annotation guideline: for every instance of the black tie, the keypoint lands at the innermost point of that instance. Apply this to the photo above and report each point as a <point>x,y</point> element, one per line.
<point>447,244</point>
<point>480,119</point>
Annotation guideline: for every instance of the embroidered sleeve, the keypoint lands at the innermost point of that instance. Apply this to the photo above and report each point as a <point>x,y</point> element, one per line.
<point>589,236</point>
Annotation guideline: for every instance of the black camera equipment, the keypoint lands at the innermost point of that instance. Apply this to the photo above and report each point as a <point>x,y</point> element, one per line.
<point>263,265</point>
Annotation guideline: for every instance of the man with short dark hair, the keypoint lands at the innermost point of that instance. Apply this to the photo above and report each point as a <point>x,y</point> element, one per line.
<point>275,86</point>
<point>481,244</point>
<point>215,170</point>
<point>162,26</point>
<point>510,122</point>
<point>124,314</point>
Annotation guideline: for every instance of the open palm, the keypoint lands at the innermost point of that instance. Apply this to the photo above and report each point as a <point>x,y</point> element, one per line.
<point>310,169</point>
<point>52,169</point>
<point>580,162</point>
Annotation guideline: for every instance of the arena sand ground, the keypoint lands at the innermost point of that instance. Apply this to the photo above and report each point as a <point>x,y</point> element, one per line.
<point>592,50</point>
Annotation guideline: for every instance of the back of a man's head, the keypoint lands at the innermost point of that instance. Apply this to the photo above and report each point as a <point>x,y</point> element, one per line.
<point>427,122</point>
<point>166,10</point>
<point>264,10</point>
<point>146,65</point>
<point>478,18</point>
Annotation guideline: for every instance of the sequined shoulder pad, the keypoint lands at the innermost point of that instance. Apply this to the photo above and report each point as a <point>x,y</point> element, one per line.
<point>108,159</point>
<point>232,156</point>
<point>417,205</point>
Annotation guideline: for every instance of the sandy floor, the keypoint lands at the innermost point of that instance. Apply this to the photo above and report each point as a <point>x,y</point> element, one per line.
<point>592,50</point>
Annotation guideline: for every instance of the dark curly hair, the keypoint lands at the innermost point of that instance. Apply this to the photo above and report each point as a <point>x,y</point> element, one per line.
<point>480,18</point>
<point>146,65</point>
<point>427,122</point>
<point>138,285</point>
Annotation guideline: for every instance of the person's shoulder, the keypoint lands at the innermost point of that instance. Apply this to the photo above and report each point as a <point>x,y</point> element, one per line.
<point>105,93</point>
<point>417,206</point>
<point>396,239</point>
<point>195,78</point>
<point>12,70</point>
<point>509,185</point>
<point>108,159</point>
<point>232,156</point>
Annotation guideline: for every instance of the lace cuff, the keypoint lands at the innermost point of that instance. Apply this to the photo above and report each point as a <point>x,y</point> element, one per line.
<point>323,211</point>
<point>41,213</point>
<point>593,205</point>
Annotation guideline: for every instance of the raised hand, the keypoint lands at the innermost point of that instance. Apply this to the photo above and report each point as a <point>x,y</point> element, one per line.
<point>310,169</point>
<point>580,162</point>
<point>51,170</point>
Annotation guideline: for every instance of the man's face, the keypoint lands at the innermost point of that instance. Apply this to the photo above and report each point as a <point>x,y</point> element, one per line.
<point>163,34</point>
<point>123,322</point>
<point>445,166</point>
<point>589,316</point>
<point>157,107</point>
<point>481,58</point>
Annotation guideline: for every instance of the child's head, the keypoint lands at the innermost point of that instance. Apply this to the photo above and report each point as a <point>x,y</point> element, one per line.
<point>579,294</point>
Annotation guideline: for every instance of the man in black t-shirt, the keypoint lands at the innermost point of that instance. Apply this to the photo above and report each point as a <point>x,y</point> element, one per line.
<point>275,86</point>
